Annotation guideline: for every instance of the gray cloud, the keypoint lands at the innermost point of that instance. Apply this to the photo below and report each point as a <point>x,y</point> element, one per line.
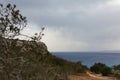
<point>96,23</point>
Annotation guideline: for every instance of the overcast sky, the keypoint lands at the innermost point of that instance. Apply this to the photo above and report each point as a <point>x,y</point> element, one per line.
<point>73,25</point>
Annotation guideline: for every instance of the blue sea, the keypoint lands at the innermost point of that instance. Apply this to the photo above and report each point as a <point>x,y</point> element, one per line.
<point>89,58</point>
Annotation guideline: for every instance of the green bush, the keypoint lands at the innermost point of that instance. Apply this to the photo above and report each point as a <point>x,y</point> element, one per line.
<point>97,67</point>
<point>106,71</point>
<point>101,68</point>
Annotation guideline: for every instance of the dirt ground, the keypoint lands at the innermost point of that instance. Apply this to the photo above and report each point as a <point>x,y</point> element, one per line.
<point>89,76</point>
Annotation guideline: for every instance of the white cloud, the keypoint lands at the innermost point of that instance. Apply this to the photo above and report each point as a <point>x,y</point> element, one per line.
<point>57,42</point>
<point>114,2</point>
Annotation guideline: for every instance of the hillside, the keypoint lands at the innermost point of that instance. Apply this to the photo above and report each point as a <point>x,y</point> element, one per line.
<point>29,60</point>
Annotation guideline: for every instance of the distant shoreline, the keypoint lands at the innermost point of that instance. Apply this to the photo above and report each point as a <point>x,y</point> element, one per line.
<point>82,52</point>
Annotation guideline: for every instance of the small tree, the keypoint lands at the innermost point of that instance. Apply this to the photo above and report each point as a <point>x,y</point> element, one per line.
<point>11,21</point>
<point>38,36</point>
<point>97,67</point>
<point>101,68</point>
<point>14,63</point>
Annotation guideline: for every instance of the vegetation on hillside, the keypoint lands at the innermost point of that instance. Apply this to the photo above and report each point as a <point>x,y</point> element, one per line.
<point>116,71</point>
<point>100,68</point>
<point>28,60</point>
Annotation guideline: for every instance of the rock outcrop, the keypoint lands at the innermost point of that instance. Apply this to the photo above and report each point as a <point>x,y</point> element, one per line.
<point>21,60</point>
<point>23,45</point>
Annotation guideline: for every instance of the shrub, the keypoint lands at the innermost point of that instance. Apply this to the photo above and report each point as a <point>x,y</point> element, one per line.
<point>100,68</point>
<point>116,71</point>
<point>106,71</point>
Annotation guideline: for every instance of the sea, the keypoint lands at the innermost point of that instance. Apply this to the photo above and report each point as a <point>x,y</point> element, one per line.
<point>90,58</point>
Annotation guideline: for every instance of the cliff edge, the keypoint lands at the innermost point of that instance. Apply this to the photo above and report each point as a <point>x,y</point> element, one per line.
<point>30,60</point>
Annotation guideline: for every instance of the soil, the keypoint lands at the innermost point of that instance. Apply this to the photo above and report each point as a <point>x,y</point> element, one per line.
<point>89,76</point>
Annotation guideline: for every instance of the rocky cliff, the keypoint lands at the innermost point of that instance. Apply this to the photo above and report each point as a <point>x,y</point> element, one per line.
<point>22,60</point>
<point>23,45</point>
<point>30,60</point>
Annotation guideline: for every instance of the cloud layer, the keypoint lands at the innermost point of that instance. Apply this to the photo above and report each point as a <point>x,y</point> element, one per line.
<point>81,25</point>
